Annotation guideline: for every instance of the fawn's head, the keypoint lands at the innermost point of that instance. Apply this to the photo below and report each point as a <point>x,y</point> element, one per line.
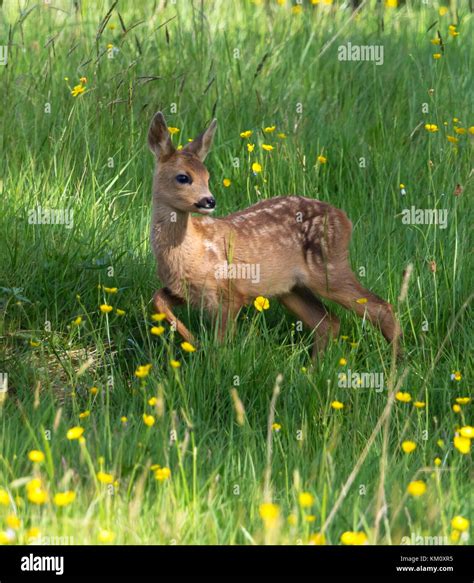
<point>181,179</point>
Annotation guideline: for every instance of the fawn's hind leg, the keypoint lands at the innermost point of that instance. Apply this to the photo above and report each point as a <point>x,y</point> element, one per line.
<point>344,289</point>
<point>303,303</point>
<point>163,301</point>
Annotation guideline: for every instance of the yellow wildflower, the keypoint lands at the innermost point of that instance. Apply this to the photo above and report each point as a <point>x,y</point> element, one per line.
<point>463,400</point>
<point>462,444</point>
<point>162,474</point>
<point>408,446</point>
<point>443,10</point>
<point>77,90</point>
<point>4,497</point>
<point>419,404</point>
<point>13,521</point>
<point>173,130</point>
<point>152,401</point>
<point>436,56</point>
<point>256,167</point>
<point>64,498</point>
<point>106,536</point>
<point>158,317</point>
<point>250,147</point>
<point>416,488</point>
<point>175,363</point>
<point>120,312</point>
<point>246,134</point>
<point>269,129</point>
<point>149,420</point>
<point>456,408</point>
<point>322,159</point>
<point>36,456</point>
<point>460,131</point>
<point>77,321</point>
<point>268,147</point>
<point>84,414</point>
<point>143,371</point>
<point>460,523</point>
<point>431,127</point>
<point>467,431</point>
<point>276,427</point>
<point>188,347</point>
<point>403,397</point>
<point>353,538</point>
<point>261,303</point>
<point>317,539</point>
<point>227,182</point>
<point>269,513</point>
<point>75,432</point>
<point>337,405</point>
<point>110,290</point>
<point>305,499</point>
<point>157,330</point>
<point>342,361</point>
<point>105,308</point>
<point>105,478</point>
<point>437,461</point>
<point>281,135</point>
<point>123,419</point>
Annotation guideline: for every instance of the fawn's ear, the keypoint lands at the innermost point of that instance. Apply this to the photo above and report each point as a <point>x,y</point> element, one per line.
<point>202,144</point>
<point>159,139</point>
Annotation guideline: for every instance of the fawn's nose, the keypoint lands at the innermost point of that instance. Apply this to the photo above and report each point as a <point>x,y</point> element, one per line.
<point>208,202</point>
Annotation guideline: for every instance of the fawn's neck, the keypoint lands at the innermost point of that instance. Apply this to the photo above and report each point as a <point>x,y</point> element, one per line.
<point>169,226</point>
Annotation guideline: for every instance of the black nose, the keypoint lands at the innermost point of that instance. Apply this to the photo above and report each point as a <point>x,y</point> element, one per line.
<point>209,202</point>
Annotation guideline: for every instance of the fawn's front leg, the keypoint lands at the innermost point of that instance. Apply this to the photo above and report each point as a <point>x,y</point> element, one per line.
<point>163,301</point>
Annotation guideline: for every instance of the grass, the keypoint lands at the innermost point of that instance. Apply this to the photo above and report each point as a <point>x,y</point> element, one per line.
<point>251,65</point>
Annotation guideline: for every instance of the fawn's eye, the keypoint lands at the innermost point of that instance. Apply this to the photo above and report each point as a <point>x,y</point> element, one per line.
<point>183,179</point>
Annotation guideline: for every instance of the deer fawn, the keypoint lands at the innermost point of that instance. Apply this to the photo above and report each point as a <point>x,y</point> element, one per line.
<point>300,246</point>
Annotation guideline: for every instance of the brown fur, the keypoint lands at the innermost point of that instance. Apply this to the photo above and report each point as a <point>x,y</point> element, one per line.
<point>300,244</point>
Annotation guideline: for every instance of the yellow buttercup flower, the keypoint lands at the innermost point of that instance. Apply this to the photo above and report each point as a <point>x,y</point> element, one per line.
<point>175,363</point>
<point>4,498</point>
<point>462,444</point>
<point>276,427</point>
<point>152,401</point>
<point>261,303</point>
<point>105,308</point>
<point>227,182</point>
<point>460,131</point>
<point>403,397</point>
<point>158,317</point>
<point>106,536</point>
<point>93,390</point>
<point>408,446</point>
<point>342,361</point>
<point>246,134</point>
<point>77,90</point>
<point>36,456</point>
<point>33,532</point>
<point>456,376</point>
<point>452,139</point>
<point>457,408</point>
<point>269,513</point>
<point>467,431</point>
<point>36,493</point>
<point>317,539</point>
<point>281,135</point>
<point>256,167</point>
<point>123,419</point>
<point>157,330</point>
<point>431,127</point>
<point>13,521</point>
<point>353,538</point>
<point>463,400</point>
<point>460,523</point>
<point>305,499</point>
<point>437,461</point>
<point>77,321</point>
<point>268,147</point>
<point>120,312</point>
<point>416,488</point>
<point>322,159</point>
<point>110,290</point>
<point>64,498</point>
<point>269,129</point>
<point>188,347</point>
<point>84,414</point>
<point>173,130</point>
<point>162,474</point>
<point>75,432</point>
<point>337,405</point>
<point>436,56</point>
<point>105,478</point>
<point>149,420</point>
<point>250,147</point>
<point>443,10</point>
<point>419,404</point>
<point>143,371</point>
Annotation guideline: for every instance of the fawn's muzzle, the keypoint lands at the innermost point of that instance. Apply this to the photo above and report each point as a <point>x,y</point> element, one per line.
<point>207,203</point>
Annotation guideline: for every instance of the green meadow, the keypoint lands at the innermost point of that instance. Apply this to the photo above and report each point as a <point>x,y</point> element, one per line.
<point>247,442</point>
